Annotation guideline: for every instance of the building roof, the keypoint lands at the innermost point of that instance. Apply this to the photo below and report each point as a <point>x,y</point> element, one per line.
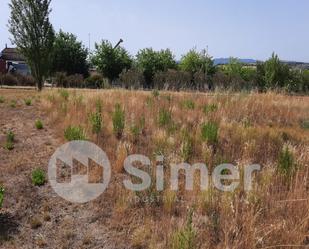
<point>11,54</point>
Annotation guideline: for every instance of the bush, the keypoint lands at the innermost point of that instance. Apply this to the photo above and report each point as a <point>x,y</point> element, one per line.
<point>64,94</point>
<point>305,124</point>
<point>8,80</point>
<point>75,80</point>
<point>118,120</point>
<point>186,146</point>
<point>165,117</point>
<point>39,124</point>
<point>23,80</point>
<point>38,177</point>
<point>210,132</point>
<point>172,80</point>
<point>95,81</point>
<point>189,104</point>
<point>2,99</point>
<point>132,79</point>
<point>155,93</point>
<point>74,133</point>
<point>286,163</point>
<point>210,108</point>
<point>96,122</point>
<point>60,79</point>
<point>1,196</point>
<point>28,102</point>
<point>13,103</point>
<point>10,136</point>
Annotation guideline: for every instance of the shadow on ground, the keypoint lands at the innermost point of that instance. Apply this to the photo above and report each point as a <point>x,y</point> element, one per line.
<point>8,226</point>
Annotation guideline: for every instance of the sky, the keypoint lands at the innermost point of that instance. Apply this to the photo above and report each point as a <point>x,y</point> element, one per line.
<point>237,28</point>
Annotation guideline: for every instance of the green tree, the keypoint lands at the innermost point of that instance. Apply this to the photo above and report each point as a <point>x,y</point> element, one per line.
<point>33,34</point>
<point>69,55</point>
<point>150,62</point>
<point>110,61</point>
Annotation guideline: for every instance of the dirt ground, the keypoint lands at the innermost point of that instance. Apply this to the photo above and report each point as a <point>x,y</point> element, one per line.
<point>35,217</point>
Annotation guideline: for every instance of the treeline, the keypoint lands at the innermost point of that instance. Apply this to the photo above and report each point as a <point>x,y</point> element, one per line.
<point>151,69</point>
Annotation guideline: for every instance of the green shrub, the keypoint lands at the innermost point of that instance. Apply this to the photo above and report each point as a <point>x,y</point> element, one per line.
<point>118,120</point>
<point>96,122</point>
<point>210,108</point>
<point>165,117</point>
<point>2,99</point>
<point>1,195</point>
<point>9,146</point>
<point>39,124</point>
<point>74,133</point>
<point>189,104</point>
<point>305,124</point>
<point>38,177</point>
<point>10,136</point>
<point>28,102</point>
<point>185,238</point>
<point>286,164</point>
<point>186,146</point>
<point>210,132</point>
<point>155,93</point>
<point>13,103</point>
<point>64,94</point>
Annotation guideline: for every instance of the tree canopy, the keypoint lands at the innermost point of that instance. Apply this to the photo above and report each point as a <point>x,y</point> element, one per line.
<point>33,34</point>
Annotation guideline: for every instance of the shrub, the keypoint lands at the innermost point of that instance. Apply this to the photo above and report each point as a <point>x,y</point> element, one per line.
<point>172,80</point>
<point>9,145</point>
<point>132,79</point>
<point>155,93</point>
<point>210,108</point>
<point>185,238</point>
<point>96,122</point>
<point>2,99</point>
<point>74,133</point>
<point>60,79</point>
<point>38,177</point>
<point>189,104</point>
<point>9,80</point>
<point>165,117</point>
<point>13,103</point>
<point>64,94</point>
<point>39,124</point>
<point>75,80</point>
<point>210,132</point>
<point>23,80</point>
<point>286,163</point>
<point>186,146</point>
<point>118,120</point>
<point>1,195</point>
<point>95,81</point>
<point>28,102</point>
<point>305,124</point>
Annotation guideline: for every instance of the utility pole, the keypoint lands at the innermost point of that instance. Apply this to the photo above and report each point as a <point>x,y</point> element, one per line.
<point>117,45</point>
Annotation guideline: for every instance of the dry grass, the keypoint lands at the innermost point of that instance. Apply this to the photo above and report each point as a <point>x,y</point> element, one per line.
<point>253,128</point>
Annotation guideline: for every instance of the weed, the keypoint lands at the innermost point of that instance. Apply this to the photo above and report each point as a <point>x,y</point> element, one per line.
<point>35,223</point>
<point>210,108</point>
<point>210,132</point>
<point>74,133</point>
<point>305,124</point>
<point>96,122</point>
<point>2,99</point>
<point>286,163</point>
<point>64,94</point>
<point>28,102</point>
<point>38,177</point>
<point>185,238</point>
<point>98,105</point>
<point>188,104</point>
<point>39,124</point>
<point>186,146</point>
<point>9,145</point>
<point>13,103</point>
<point>118,121</point>
<point>165,117</point>
<point>155,93</point>
<point>1,195</point>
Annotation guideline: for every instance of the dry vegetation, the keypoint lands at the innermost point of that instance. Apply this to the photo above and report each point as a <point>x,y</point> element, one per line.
<point>242,129</point>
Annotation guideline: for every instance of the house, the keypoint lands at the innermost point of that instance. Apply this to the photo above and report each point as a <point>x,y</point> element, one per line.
<point>12,61</point>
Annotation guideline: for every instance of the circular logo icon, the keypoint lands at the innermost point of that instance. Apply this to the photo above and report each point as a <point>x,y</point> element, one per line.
<point>79,171</point>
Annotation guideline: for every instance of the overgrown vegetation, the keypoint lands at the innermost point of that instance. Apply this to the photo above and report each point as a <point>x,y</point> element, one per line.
<point>38,177</point>
<point>118,117</point>
<point>10,137</point>
<point>73,133</point>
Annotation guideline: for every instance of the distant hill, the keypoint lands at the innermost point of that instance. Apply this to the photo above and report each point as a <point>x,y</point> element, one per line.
<point>224,61</point>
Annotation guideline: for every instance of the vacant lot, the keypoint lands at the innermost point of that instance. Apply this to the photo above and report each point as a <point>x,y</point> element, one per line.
<point>267,129</point>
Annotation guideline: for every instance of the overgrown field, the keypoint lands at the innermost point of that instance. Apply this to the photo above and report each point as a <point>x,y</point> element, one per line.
<point>242,129</point>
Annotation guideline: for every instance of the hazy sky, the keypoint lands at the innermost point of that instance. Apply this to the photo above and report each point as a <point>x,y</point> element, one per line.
<point>239,28</point>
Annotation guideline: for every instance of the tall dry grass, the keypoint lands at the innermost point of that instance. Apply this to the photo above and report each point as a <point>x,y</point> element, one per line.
<point>253,128</point>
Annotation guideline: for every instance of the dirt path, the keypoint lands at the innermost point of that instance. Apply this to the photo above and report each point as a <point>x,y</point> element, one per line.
<point>35,217</point>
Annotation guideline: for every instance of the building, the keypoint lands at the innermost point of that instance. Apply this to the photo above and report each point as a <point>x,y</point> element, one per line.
<point>12,61</point>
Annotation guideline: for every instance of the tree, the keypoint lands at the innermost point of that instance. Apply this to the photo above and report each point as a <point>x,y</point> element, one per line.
<point>69,55</point>
<point>33,34</point>
<point>150,62</point>
<point>111,61</point>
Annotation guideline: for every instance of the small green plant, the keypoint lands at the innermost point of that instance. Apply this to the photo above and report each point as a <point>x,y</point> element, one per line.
<point>165,117</point>
<point>210,108</point>
<point>286,164</point>
<point>1,195</point>
<point>64,94</point>
<point>305,124</point>
<point>96,122</point>
<point>74,133</point>
<point>189,104</point>
<point>118,120</point>
<point>39,124</point>
<point>185,238</point>
<point>28,102</point>
<point>209,132</point>
<point>186,146</point>
<point>98,105</point>
<point>2,99</point>
<point>9,145</point>
<point>155,93</point>
<point>38,177</point>
<point>13,103</point>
